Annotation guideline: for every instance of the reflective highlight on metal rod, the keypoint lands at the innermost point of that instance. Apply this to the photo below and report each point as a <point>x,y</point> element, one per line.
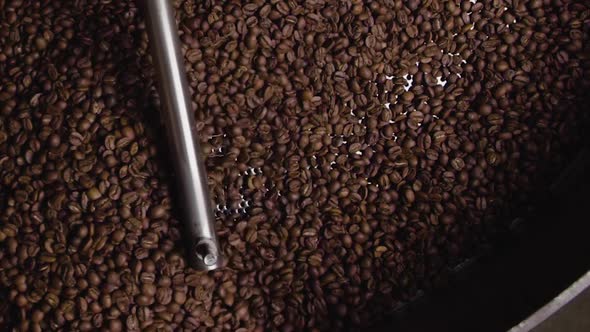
<point>178,118</point>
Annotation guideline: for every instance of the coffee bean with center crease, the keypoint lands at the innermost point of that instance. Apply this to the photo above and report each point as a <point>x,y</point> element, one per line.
<point>332,142</point>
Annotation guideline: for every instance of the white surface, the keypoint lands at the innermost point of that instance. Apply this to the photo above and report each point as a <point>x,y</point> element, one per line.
<point>552,307</point>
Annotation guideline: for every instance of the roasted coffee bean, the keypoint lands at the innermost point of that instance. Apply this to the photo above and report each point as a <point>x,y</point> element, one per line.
<point>335,133</point>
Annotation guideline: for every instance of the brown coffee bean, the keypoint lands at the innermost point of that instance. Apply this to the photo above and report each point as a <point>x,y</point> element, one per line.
<point>164,295</point>
<point>458,164</point>
<point>407,96</point>
<point>40,43</point>
<point>409,195</point>
<point>93,194</point>
<point>157,212</point>
<point>314,118</point>
<point>365,73</point>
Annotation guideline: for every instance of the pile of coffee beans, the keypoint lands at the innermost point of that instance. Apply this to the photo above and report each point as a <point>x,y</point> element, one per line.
<point>355,150</point>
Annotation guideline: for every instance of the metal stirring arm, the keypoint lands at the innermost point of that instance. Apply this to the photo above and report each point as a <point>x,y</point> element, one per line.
<point>178,117</point>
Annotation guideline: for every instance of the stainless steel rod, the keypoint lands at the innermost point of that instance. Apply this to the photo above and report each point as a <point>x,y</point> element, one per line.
<point>178,117</point>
